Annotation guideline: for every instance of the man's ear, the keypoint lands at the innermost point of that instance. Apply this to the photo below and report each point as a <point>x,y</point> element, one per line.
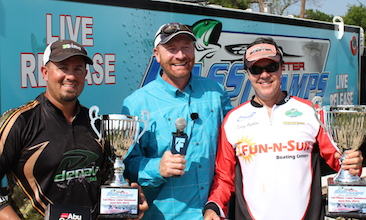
<point>156,54</point>
<point>44,71</point>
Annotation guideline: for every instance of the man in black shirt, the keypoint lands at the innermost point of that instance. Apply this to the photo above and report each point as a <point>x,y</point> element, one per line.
<point>48,149</point>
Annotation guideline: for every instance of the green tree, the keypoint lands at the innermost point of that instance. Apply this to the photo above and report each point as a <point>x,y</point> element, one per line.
<point>356,15</point>
<point>239,4</point>
<point>280,7</point>
<point>318,15</point>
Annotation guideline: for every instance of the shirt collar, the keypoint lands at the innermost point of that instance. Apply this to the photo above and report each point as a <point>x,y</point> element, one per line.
<point>283,101</point>
<point>43,99</point>
<point>173,90</point>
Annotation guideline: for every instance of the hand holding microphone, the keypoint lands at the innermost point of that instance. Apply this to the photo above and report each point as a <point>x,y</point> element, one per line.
<point>173,163</point>
<point>180,139</point>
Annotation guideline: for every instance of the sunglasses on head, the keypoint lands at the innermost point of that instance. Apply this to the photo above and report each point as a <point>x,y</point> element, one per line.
<point>270,68</point>
<point>173,28</point>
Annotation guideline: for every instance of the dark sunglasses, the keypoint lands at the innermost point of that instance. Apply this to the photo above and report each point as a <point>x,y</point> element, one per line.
<point>270,68</point>
<point>173,28</point>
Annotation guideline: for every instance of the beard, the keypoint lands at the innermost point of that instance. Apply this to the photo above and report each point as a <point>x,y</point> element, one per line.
<point>69,97</point>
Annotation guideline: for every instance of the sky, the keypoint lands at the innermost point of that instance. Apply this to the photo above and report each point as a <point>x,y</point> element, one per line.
<point>334,7</point>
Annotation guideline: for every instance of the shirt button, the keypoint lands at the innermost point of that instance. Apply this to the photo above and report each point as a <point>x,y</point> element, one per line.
<point>199,166</point>
<point>180,94</point>
<point>197,143</point>
<point>202,188</point>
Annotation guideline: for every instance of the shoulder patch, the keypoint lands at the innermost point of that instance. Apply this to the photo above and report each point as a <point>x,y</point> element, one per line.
<point>4,119</point>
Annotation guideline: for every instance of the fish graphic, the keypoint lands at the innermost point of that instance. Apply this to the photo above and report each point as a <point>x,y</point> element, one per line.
<point>207,32</point>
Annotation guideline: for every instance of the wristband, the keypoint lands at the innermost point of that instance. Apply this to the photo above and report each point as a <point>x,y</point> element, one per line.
<point>213,206</point>
<point>3,199</point>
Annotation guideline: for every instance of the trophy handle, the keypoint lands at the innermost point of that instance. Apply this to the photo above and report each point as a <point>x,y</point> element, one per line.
<point>318,100</point>
<point>145,118</point>
<point>93,118</point>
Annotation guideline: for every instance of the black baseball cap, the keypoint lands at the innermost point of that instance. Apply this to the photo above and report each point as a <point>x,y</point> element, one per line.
<point>63,49</point>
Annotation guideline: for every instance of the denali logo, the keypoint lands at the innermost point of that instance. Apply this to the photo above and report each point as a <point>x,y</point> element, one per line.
<point>70,216</point>
<point>66,46</point>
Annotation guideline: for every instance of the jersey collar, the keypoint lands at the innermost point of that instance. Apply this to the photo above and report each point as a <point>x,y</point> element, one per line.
<point>283,101</point>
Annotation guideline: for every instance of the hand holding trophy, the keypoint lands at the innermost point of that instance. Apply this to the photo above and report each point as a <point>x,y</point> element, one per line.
<point>117,133</point>
<point>346,126</point>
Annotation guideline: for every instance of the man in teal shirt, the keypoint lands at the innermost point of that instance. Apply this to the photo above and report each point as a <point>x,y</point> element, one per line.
<point>176,93</point>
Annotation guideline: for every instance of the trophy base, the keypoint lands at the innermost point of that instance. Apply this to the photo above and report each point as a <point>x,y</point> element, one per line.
<point>118,202</point>
<point>346,199</point>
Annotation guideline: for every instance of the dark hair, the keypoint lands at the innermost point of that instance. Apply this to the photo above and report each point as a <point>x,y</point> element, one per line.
<point>263,40</point>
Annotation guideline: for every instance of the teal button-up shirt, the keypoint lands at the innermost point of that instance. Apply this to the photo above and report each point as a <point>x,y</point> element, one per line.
<point>176,197</point>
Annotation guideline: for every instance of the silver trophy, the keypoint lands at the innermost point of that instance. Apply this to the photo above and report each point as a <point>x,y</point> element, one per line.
<point>346,126</point>
<point>117,134</point>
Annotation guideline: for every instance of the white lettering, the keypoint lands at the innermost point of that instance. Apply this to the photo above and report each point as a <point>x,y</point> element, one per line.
<point>87,30</point>
<point>27,68</point>
<point>109,68</point>
<point>341,81</point>
<point>342,98</point>
<point>101,74</point>
<point>73,32</point>
<point>49,37</point>
<point>68,30</point>
<point>98,75</point>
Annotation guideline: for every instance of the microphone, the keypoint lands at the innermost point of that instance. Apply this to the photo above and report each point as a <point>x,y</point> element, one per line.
<point>194,116</point>
<point>180,124</point>
<point>180,139</point>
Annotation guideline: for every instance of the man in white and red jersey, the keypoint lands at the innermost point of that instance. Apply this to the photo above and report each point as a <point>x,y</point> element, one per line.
<point>269,149</point>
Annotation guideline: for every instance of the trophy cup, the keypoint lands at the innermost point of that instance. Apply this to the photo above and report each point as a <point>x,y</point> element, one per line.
<point>346,126</point>
<point>117,133</point>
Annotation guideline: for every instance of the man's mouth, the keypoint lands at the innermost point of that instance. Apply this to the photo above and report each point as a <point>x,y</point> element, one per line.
<point>179,64</point>
<point>265,83</point>
<point>68,85</point>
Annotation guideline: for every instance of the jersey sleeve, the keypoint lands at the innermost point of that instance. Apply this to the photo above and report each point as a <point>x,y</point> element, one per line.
<point>11,126</point>
<point>223,183</point>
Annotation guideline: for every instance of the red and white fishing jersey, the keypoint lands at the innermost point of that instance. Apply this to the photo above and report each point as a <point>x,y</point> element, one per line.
<point>272,162</point>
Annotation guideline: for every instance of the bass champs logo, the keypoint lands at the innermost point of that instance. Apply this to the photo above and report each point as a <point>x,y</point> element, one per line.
<point>219,56</point>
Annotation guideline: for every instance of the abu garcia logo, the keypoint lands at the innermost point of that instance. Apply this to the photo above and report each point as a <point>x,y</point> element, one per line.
<point>70,216</point>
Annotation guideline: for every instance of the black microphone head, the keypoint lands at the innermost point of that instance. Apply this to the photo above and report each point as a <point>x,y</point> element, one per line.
<point>180,124</point>
<point>194,116</point>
